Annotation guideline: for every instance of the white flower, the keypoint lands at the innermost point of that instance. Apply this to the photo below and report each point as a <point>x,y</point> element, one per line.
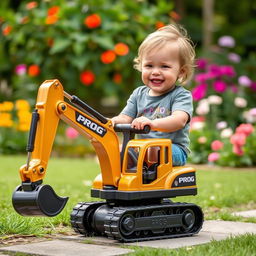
<point>226,133</point>
<point>215,100</point>
<point>250,116</point>
<point>240,102</point>
<point>203,107</point>
<point>221,125</point>
<point>197,126</point>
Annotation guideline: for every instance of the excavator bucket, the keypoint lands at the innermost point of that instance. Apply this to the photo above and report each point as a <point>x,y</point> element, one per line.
<point>43,201</point>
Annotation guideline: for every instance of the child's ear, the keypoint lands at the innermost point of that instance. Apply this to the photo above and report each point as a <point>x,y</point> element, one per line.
<point>182,73</point>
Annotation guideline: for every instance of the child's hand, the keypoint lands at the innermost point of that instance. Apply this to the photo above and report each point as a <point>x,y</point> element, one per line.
<point>140,122</point>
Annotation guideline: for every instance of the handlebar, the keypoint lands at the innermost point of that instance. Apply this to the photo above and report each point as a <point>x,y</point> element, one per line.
<point>128,128</point>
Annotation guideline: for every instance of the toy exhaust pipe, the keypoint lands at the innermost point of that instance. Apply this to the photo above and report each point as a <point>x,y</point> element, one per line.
<point>42,201</point>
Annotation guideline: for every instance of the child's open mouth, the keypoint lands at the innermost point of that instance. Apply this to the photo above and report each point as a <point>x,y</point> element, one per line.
<point>156,81</point>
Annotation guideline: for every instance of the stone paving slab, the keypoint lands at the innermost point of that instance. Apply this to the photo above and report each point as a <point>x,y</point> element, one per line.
<point>229,227</point>
<point>246,214</point>
<point>80,245</point>
<point>212,230</point>
<point>66,248</point>
<point>174,243</point>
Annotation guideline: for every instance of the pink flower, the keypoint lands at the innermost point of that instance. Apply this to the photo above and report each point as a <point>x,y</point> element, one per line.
<point>227,71</point>
<point>201,63</point>
<point>199,92</point>
<point>21,69</point>
<point>234,57</point>
<point>219,86</point>
<point>213,157</point>
<point>202,140</point>
<point>234,88</point>
<point>201,77</point>
<point>253,86</point>
<point>244,81</point>
<point>216,145</point>
<point>226,41</point>
<point>245,129</point>
<point>237,150</point>
<point>252,112</point>
<point>71,133</point>
<point>238,139</point>
<point>214,70</point>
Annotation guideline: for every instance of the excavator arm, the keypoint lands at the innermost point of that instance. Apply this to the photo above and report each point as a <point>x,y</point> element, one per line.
<point>50,108</point>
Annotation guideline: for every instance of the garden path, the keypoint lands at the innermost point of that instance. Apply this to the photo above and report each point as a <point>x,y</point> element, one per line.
<point>79,245</point>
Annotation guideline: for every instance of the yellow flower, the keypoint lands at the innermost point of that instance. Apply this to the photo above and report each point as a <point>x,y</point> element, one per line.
<point>24,116</point>
<point>23,127</point>
<point>22,105</point>
<point>6,106</point>
<point>5,120</point>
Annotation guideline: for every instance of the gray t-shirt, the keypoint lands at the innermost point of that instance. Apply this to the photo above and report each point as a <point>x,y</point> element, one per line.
<point>141,103</point>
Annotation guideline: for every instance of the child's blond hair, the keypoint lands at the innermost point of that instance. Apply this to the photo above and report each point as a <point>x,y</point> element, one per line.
<point>168,34</point>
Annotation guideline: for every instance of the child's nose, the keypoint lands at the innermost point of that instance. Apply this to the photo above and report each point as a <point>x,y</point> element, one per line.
<point>155,71</point>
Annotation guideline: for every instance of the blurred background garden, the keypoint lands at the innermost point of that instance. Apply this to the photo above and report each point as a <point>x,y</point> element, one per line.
<point>89,45</point>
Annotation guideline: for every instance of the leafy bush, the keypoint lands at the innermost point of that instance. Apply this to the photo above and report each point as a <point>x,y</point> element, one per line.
<point>88,45</point>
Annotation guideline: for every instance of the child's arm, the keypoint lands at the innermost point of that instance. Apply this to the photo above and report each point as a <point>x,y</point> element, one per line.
<point>121,119</point>
<point>171,123</point>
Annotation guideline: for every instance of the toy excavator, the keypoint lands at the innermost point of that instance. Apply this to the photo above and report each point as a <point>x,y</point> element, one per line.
<point>134,189</point>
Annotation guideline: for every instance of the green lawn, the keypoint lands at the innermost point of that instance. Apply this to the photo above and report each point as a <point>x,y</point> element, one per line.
<point>220,192</point>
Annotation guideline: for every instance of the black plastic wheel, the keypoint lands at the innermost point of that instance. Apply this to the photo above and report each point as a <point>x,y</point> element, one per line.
<point>127,224</point>
<point>188,219</point>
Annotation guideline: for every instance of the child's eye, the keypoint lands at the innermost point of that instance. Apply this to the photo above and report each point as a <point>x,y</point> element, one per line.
<point>165,66</point>
<point>148,65</point>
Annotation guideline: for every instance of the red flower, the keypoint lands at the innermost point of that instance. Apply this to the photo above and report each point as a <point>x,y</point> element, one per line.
<point>33,70</point>
<point>108,57</point>
<point>53,10</point>
<point>52,15</point>
<point>92,21</point>
<point>159,24</point>
<point>87,77</point>
<point>121,49</point>
<point>117,78</point>
<point>7,30</point>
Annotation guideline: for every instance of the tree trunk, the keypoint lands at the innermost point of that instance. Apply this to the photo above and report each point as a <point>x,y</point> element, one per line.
<point>208,11</point>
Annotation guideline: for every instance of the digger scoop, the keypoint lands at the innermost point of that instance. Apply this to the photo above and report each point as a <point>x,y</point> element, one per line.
<point>42,201</point>
<point>33,198</point>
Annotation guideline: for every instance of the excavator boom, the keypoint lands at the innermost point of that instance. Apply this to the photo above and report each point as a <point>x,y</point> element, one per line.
<point>50,108</point>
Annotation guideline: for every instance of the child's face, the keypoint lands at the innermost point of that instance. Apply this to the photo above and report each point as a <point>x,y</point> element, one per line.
<point>161,69</point>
